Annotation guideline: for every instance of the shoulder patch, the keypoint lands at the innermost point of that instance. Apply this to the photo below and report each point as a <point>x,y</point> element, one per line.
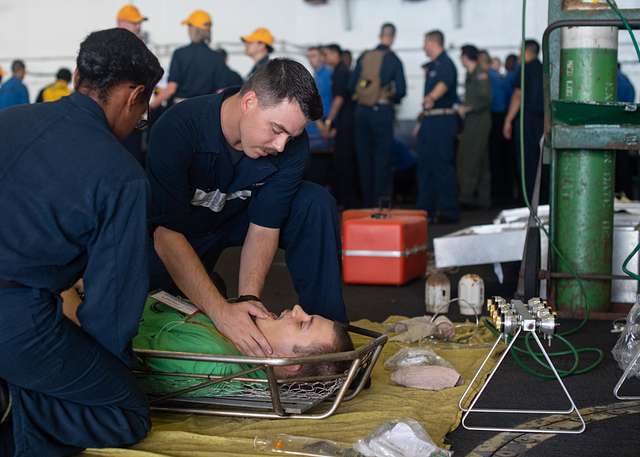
<point>483,76</point>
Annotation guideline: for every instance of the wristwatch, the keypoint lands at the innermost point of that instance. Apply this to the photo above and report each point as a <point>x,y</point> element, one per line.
<point>243,298</point>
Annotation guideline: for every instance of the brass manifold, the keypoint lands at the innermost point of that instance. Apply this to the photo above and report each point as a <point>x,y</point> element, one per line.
<point>534,316</point>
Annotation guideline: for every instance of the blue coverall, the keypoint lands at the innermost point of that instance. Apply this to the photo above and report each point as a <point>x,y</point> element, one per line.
<point>436,143</point>
<point>197,69</point>
<point>210,192</point>
<point>74,203</point>
<point>534,125</point>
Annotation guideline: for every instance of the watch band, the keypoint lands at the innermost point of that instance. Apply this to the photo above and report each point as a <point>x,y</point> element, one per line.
<point>243,298</point>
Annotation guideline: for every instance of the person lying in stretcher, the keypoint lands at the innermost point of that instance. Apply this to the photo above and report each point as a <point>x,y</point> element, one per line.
<point>293,333</point>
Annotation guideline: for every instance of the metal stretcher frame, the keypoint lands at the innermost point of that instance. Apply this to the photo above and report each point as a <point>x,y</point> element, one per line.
<point>362,359</point>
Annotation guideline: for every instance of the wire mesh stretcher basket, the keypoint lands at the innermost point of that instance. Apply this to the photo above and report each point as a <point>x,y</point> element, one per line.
<point>291,398</point>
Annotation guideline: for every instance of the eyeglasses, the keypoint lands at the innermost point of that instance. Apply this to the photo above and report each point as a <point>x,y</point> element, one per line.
<point>143,122</point>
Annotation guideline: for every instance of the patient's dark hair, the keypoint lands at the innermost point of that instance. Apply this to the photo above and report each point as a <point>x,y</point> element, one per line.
<point>110,57</point>
<point>341,343</point>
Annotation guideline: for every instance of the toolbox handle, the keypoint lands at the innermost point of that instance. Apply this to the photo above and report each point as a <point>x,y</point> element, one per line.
<point>384,208</point>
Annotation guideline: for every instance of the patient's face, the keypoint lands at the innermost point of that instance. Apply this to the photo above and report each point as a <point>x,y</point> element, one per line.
<point>294,327</point>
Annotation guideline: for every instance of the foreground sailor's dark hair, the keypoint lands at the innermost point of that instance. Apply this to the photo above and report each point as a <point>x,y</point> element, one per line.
<point>285,79</point>
<point>115,56</point>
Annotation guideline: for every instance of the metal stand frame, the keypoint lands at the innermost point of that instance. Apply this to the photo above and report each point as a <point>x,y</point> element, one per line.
<point>624,377</point>
<point>471,408</point>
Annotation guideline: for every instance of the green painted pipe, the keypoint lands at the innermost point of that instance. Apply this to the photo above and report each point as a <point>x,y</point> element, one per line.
<point>584,179</point>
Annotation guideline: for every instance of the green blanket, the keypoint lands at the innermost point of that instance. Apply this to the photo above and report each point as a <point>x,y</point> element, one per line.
<point>166,329</point>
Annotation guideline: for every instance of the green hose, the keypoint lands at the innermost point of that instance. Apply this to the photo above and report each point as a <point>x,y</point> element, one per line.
<point>630,273</point>
<point>572,350</point>
<point>615,8</point>
<point>537,356</point>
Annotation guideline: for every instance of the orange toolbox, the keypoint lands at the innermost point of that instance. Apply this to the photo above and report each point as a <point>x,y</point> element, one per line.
<point>384,248</point>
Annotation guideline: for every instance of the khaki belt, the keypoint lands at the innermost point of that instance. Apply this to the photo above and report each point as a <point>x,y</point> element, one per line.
<point>436,112</point>
<point>375,106</point>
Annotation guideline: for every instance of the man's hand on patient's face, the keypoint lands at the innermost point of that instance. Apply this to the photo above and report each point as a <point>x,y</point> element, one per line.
<point>235,322</point>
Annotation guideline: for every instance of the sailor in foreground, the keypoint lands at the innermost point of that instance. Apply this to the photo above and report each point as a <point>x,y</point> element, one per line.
<point>226,170</point>
<point>75,203</point>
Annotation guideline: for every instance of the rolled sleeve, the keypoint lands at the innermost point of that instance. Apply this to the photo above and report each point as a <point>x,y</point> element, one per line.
<point>447,76</point>
<point>116,278</point>
<point>271,203</point>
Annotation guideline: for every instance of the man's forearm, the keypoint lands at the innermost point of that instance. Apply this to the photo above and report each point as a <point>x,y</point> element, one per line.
<point>186,269</point>
<point>260,246</point>
<point>438,91</point>
<point>336,104</point>
<point>514,106</point>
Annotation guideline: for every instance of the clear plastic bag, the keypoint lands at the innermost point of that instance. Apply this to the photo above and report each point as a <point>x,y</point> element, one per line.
<point>401,438</point>
<point>628,344</point>
<point>282,443</point>
<point>412,356</point>
<point>420,328</point>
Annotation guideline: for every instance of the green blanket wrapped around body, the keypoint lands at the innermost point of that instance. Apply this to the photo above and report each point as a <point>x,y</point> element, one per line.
<point>163,328</point>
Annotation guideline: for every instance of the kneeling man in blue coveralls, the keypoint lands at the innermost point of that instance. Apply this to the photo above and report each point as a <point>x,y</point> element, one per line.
<point>74,203</point>
<point>226,170</point>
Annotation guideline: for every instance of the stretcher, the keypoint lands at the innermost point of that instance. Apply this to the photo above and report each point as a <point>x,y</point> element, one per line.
<point>273,398</point>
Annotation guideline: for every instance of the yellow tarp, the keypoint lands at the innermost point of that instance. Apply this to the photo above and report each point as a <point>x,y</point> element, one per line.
<point>176,435</point>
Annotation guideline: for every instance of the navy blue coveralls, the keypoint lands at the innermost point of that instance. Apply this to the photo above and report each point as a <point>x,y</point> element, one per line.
<point>210,192</point>
<point>437,182</point>
<point>198,70</point>
<point>374,130</point>
<point>74,202</point>
<point>534,126</point>
<point>346,187</point>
